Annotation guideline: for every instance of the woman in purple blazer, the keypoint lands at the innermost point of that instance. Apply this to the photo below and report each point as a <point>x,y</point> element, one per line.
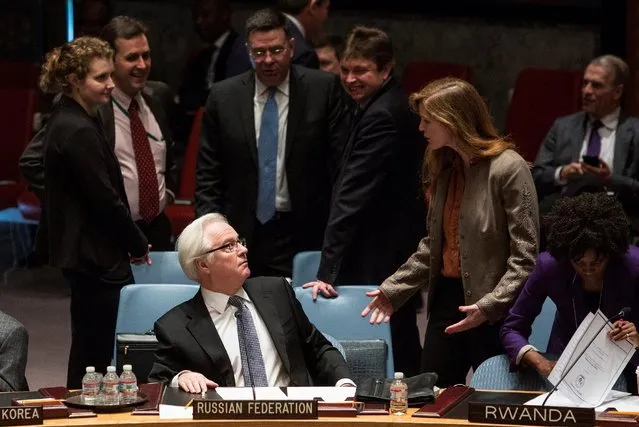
<point>589,265</point>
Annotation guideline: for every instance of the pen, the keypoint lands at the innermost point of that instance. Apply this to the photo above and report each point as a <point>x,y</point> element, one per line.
<point>188,404</point>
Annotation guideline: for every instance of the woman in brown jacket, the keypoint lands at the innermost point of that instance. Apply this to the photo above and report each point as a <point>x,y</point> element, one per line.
<point>483,233</point>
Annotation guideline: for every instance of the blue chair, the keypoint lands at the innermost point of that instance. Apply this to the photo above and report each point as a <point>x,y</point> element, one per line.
<point>340,317</point>
<point>164,269</point>
<point>305,266</point>
<point>542,326</point>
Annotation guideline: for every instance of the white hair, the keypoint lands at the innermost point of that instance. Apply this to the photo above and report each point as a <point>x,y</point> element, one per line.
<point>192,243</point>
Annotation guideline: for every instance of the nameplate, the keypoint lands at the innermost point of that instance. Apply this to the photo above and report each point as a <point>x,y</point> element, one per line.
<point>20,415</point>
<point>530,415</point>
<point>254,409</point>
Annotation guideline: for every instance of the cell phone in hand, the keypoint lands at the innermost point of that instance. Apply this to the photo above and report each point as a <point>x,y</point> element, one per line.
<point>591,161</point>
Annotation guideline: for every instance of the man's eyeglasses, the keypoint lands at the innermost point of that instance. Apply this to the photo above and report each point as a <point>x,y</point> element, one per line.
<point>260,53</point>
<point>228,247</point>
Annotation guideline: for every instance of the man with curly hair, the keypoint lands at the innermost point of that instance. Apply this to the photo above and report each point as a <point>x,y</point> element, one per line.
<point>589,266</point>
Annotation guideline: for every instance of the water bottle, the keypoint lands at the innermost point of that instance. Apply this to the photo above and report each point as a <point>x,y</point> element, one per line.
<point>128,385</point>
<point>111,386</point>
<point>398,395</point>
<point>90,386</point>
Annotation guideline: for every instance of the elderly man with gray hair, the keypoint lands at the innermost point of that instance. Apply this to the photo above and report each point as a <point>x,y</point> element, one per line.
<point>238,331</point>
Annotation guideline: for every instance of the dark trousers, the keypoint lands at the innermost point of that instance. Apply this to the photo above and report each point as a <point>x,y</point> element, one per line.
<point>94,309</point>
<point>406,347</point>
<point>271,251</point>
<point>158,232</point>
<point>451,355</point>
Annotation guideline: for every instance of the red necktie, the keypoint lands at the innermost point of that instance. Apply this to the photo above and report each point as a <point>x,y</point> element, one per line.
<point>148,196</point>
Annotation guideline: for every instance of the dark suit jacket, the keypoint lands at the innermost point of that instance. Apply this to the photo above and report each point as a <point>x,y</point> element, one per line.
<point>378,211</point>
<point>554,279</point>
<point>304,52</point>
<point>14,344</point>
<point>563,145</point>
<point>188,340</point>
<point>32,159</point>
<point>88,222</point>
<point>227,168</point>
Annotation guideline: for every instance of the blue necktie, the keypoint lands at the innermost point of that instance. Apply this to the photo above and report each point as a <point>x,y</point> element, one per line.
<point>594,142</point>
<point>267,159</point>
<point>250,352</point>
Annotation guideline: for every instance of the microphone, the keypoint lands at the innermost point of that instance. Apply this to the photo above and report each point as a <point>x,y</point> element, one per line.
<point>243,344</point>
<point>624,312</point>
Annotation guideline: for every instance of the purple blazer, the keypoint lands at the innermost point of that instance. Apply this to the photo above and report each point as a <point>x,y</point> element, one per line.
<point>559,282</point>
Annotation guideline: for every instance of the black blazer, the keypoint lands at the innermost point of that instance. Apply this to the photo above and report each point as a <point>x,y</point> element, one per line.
<point>378,213</point>
<point>88,221</point>
<point>563,144</point>
<point>188,340</point>
<point>303,50</point>
<point>32,159</point>
<point>227,167</point>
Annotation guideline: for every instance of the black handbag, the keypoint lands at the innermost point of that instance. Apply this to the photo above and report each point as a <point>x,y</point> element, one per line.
<point>137,350</point>
<point>420,389</point>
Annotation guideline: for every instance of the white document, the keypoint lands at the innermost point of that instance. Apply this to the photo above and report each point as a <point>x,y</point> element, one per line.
<point>624,404</point>
<point>172,411</point>
<point>246,393</point>
<point>558,399</point>
<point>327,394</point>
<point>591,378</point>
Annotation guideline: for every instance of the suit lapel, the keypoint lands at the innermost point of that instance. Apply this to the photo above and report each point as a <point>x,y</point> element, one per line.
<point>577,137</point>
<point>266,307</point>
<point>247,113</point>
<point>158,114</point>
<point>296,106</point>
<point>623,139</point>
<point>203,330</point>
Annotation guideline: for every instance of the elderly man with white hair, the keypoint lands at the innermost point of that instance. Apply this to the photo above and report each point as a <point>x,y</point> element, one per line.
<point>238,331</point>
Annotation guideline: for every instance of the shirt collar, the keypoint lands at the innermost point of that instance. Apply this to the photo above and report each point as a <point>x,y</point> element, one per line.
<point>220,40</point>
<point>610,121</point>
<point>217,302</point>
<point>261,88</point>
<point>297,23</point>
<point>125,100</point>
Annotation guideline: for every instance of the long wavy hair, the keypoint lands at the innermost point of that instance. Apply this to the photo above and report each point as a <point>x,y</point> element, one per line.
<point>457,105</point>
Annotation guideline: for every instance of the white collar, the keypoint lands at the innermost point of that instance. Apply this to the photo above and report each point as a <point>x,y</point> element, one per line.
<point>260,87</point>
<point>220,40</point>
<point>297,23</point>
<point>216,301</point>
<point>125,100</point>
<point>610,121</point>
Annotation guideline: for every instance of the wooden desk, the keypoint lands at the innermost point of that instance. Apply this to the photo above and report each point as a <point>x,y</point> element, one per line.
<point>126,419</point>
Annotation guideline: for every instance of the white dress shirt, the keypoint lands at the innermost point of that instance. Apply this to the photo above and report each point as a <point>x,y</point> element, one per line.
<point>608,133</point>
<point>223,317</point>
<point>126,155</point>
<point>210,75</point>
<point>282,197</point>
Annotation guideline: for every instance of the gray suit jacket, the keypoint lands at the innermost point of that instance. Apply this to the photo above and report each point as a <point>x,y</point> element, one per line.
<point>14,342</point>
<point>563,144</point>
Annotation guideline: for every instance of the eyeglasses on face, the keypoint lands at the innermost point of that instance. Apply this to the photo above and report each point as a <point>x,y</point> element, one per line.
<point>229,247</point>
<point>260,53</point>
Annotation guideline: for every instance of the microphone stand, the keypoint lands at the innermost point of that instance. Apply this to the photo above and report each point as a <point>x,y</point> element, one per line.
<point>243,344</point>
<point>617,316</point>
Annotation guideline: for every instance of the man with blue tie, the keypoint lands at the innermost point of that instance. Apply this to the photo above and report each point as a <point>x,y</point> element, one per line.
<point>596,149</point>
<point>271,142</point>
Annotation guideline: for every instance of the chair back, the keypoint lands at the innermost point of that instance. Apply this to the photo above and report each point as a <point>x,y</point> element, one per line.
<point>165,268</point>
<point>340,317</point>
<point>365,359</point>
<point>494,374</point>
<point>540,96</point>
<point>305,267</point>
<point>542,326</point>
<point>419,73</point>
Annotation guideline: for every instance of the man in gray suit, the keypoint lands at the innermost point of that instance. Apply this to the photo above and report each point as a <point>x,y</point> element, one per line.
<point>596,149</point>
<point>14,342</point>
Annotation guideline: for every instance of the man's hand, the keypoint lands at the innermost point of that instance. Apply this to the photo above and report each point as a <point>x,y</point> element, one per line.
<point>571,170</point>
<point>474,318</point>
<point>194,382</point>
<point>602,173</point>
<point>538,362</point>
<point>380,306</point>
<point>318,286</point>
<point>146,259</point>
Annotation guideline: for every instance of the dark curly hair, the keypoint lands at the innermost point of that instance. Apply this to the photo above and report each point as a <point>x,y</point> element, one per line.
<point>588,221</point>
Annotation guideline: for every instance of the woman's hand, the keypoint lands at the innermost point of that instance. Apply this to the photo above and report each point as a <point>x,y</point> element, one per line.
<point>623,329</point>
<point>538,362</point>
<point>380,306</point>
<point>474,318</point>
